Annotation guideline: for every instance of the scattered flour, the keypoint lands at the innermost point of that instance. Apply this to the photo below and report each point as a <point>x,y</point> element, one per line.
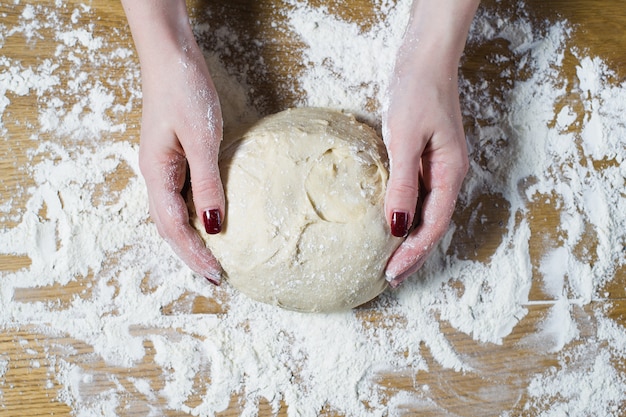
<point>526,146</point>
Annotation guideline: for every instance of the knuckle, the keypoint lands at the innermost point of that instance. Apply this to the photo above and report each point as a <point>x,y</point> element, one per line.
<point>403,187</point>
<point>207,188</point>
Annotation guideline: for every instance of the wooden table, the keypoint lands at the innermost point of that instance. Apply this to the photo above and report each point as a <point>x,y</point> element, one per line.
<point>28,390</point>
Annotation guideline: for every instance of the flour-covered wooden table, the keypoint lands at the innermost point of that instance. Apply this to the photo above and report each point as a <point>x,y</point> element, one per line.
<point>519,312</point>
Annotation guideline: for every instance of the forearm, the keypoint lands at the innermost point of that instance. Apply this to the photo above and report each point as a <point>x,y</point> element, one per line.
<point>160,29</point>
<point>437,31</point>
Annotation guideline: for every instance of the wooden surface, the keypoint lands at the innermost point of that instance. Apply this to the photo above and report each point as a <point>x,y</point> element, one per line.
<point>26,389</point>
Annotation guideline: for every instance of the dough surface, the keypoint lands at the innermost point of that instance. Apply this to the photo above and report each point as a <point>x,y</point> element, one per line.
<point>305,227</point>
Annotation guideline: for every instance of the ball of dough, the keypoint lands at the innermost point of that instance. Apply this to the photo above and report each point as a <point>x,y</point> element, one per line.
<point>305,227</point>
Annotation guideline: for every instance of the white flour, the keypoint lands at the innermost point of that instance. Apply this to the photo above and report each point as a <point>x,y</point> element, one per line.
<point>525,149</point>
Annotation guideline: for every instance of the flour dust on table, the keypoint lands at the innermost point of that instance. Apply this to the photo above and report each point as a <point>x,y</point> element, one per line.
<point>130,303</point>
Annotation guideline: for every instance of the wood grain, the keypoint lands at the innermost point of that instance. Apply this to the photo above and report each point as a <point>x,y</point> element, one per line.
<point>28,388</point>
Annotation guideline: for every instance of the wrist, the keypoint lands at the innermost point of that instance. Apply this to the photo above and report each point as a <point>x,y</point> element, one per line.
<point>437,32</point>
<point>161,30</point>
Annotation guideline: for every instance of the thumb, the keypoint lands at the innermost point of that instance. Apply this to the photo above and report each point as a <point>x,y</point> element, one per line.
<point>206,183</point>
<point>208,193</point>
<point>403,186</point>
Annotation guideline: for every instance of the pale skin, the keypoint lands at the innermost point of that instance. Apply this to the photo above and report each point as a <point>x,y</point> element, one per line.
<point>422,129</point>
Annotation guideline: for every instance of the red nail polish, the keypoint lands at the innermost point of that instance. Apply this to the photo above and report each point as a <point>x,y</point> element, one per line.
<point>399,223</point>
<point>213,281</point>
<point>212,221</point>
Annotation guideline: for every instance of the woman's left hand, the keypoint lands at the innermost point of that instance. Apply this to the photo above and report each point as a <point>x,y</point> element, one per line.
<point>423,132</point>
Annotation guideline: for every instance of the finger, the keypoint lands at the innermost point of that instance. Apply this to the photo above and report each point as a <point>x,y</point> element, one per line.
<point>413,252</point>
<point>164,181</point>
<point>208,193</point>
<point>444,182</point>
<point>188,245</point>
<point>403,185</point>
<point>202,149</point>
<point>184,240</point>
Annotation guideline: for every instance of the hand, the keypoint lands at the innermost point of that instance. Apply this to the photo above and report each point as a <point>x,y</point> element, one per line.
<point>423,132</point>
<point>428,156</point>
<point>181,127</point>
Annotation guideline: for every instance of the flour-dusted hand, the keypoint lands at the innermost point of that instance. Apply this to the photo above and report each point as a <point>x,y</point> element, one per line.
<point>423,131</point>
<point>181,129</point>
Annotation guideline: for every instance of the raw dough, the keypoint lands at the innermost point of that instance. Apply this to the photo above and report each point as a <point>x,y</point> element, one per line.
<point>305,226</point>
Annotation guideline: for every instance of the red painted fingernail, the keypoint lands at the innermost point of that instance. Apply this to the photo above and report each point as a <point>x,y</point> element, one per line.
<point>213,281</point>
<point>212,221</point>
<point>399,223</point>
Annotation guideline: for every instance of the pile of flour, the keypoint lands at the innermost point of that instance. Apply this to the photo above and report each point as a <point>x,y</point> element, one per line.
<point>528,147</point>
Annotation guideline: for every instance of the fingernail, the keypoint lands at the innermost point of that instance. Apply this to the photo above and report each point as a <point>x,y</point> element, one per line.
<point>395,283</point>
<point>400,223</point>
<point>213,280</point>
<point>212,221</point>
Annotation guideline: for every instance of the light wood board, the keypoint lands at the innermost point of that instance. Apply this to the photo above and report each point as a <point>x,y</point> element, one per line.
<point>28,390</point>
